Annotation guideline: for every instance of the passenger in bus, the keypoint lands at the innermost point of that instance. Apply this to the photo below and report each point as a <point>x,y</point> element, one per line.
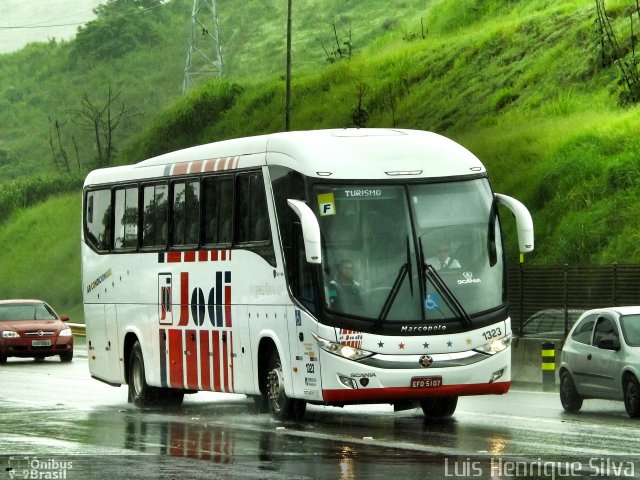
<point>344,291</point>
<point>443,259</point>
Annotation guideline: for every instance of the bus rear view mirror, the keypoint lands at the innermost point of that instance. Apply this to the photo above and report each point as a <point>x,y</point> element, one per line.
<point>524,223</point>
<point>310,230</point>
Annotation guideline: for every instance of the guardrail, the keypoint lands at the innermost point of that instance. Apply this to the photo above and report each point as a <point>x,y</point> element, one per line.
<point>77,329</point>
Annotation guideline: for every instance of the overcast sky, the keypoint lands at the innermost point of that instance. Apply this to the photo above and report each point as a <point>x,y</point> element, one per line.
<point>41,20</point>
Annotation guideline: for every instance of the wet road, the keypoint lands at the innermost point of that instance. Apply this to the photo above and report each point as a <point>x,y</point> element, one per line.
<point>56,420</point>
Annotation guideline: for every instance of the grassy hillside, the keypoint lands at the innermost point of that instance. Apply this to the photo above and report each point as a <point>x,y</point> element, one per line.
<point>41,255</point>
<point>526,85</point>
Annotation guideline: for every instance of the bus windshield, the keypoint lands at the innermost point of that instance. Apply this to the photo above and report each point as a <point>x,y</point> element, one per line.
<point>419,252</point>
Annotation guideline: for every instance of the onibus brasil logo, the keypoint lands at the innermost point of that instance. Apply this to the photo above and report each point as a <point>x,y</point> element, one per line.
<point>38,468</point>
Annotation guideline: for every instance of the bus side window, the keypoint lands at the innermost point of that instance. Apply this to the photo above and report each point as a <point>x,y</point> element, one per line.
<point>97,219</point>
<point>217,210</point>
<point>126,218</point>
<point>252,214</point>
<point>252,226</point>
<point>185,213</point>
<point>154,215</point>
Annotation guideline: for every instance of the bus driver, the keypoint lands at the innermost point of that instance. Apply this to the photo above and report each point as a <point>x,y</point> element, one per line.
<point>344,291</point>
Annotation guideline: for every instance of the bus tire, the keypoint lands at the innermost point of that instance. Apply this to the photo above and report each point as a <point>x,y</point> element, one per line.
<point>569,397</point>
<point>439,407</point>
<point>282,407</point>
<point>140,393</point>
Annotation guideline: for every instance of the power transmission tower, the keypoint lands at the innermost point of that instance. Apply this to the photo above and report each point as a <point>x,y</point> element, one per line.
<point>204,56</point>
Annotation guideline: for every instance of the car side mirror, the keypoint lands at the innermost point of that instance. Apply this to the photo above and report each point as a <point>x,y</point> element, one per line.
<point>609,344</point>
<point>64,318</point>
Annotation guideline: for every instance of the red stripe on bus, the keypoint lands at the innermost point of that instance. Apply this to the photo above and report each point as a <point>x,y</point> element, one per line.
<point>216,361</point>
<point>203,255</point>
<point>205,361</point>
<point>214,256</point>
<point>223,255</point>
<point>196,167</point>
<point>225,360</point>
<point>230,255</point>
<point>180,168</point>
<point>174,257</point>
<point>175,358</point>
<point>342,396</point>
<point>191,358</point>
<point>190,256</point>
<point>209,165</point>
<point>227,305</point>
<point>184,299</point>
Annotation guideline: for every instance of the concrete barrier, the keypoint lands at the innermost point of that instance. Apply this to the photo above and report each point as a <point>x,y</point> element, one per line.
<point>526,360</point>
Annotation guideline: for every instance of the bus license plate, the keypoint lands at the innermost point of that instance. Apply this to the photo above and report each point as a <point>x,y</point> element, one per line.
<point>41,343</point>
<point>426,382</point>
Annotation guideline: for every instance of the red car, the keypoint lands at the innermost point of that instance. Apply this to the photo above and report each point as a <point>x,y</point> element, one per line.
<point>31,328</point>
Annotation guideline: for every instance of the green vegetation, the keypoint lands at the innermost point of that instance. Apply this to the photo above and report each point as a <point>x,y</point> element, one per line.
<point>41,255</point>
<point>531,87</point>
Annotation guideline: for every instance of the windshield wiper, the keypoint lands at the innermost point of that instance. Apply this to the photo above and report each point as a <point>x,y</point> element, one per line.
<point>442,287</point>
<point>405,270</point>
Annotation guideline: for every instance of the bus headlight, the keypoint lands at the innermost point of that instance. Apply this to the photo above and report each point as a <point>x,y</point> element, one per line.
<point>345,351</point>
<point>495,346</point>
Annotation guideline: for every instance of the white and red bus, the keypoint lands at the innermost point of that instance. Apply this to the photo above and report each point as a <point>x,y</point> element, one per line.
<point>330,267</point>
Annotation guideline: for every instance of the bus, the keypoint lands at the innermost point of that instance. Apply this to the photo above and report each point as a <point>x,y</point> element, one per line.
<point>328,267</point>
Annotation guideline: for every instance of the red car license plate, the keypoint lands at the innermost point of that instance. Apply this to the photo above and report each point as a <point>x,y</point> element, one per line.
<point>426,382</point>
<point>41,343</point>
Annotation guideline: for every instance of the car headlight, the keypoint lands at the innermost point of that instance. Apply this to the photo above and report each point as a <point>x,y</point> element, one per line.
<point>496,345</point>
<point>10,334</point>
<point>65,333</point>
<point>345,351</point>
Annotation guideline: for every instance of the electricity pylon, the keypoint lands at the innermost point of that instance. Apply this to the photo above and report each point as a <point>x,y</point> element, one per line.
<point>204,56</point>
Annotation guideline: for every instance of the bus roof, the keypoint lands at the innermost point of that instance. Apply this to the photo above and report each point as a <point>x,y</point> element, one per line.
<point>374,154</point>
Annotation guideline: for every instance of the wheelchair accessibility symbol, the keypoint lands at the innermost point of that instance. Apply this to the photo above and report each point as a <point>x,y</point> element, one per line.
<point>432,302</point>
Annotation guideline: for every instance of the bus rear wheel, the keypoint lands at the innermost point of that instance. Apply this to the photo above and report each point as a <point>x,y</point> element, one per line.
<point>142,394</point>
<point>281,406</point>
<point>439,407</point>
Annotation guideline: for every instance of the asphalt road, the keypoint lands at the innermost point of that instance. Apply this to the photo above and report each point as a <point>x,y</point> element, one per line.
<point>56,422</point>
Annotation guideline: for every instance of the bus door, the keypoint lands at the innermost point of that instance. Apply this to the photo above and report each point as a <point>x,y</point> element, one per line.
<point>242,353</point>
<point>301,323</point>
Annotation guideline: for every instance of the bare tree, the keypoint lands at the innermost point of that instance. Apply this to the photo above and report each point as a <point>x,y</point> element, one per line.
<point>59,156</point>
<point>102,120</point>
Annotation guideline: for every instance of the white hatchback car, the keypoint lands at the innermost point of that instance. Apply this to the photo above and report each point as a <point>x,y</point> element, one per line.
<point>601,359</point>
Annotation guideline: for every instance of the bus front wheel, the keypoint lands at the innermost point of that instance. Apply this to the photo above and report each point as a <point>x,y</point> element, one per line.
<point>439,407</point>
<point>281,406</point>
